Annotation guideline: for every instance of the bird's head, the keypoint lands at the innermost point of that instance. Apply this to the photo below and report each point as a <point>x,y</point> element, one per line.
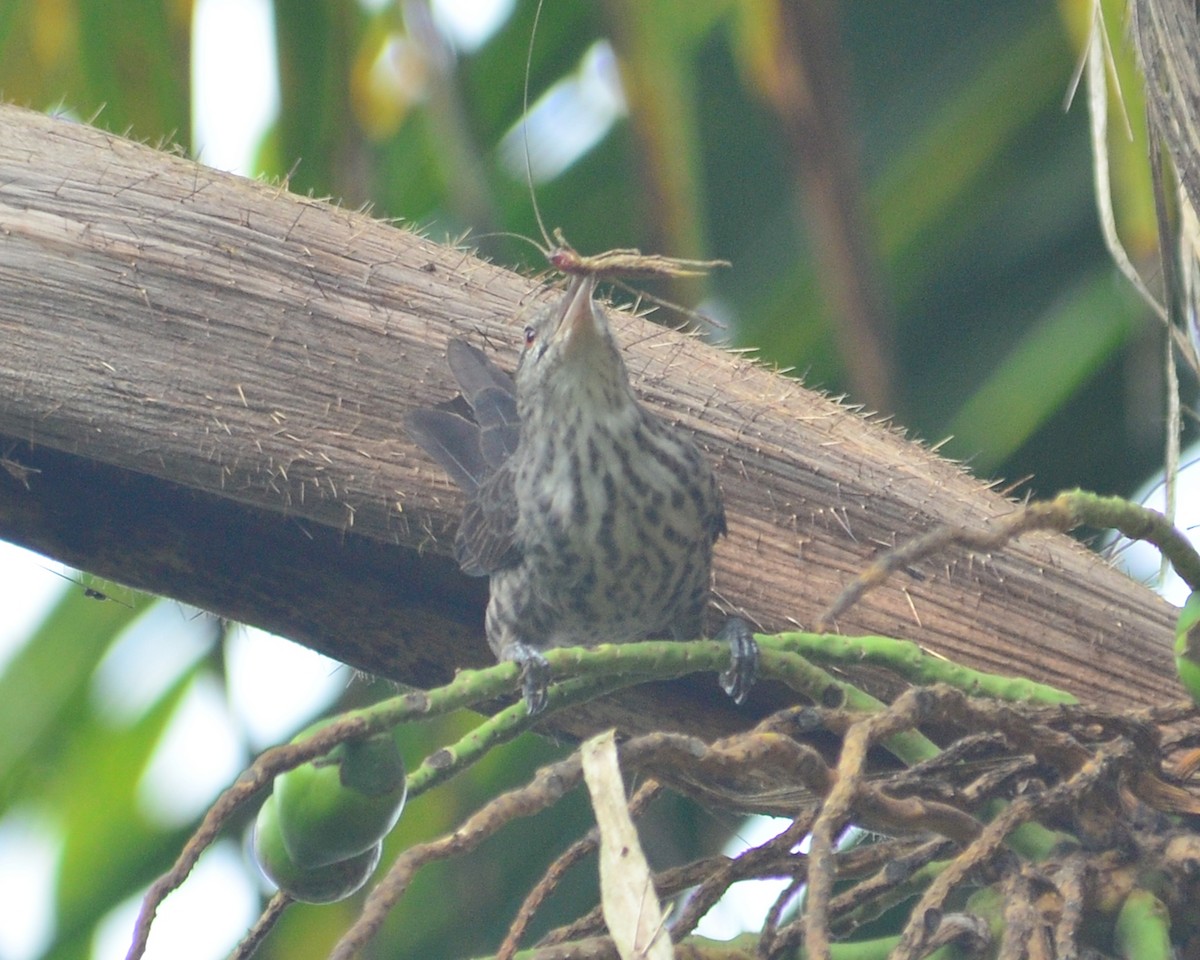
<point>570,353</point>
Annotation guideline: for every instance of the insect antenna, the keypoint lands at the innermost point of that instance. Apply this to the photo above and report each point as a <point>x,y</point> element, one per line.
<point>612,266</point>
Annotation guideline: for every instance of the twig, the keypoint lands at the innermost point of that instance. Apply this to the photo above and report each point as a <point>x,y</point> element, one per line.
<point>262,926</point>
<point>1023,808</point>
<point>1064,513</point>
<point>558,869</point>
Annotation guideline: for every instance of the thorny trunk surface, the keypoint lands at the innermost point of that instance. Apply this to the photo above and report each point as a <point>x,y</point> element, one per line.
<point>212,374</point>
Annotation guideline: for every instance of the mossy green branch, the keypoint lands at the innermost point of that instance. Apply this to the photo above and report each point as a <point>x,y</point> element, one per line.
<point>1135,522</point>
<point>907,659</point>
<point>594,671</point>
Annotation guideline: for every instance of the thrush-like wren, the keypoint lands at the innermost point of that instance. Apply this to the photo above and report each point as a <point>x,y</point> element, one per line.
<point>594,518</point>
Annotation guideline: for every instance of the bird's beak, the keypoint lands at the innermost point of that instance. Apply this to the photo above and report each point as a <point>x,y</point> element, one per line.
<point>578,327</point>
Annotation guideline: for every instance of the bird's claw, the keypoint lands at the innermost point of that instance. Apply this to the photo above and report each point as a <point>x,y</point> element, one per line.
<point>535,676</point>
<point>743,664</point>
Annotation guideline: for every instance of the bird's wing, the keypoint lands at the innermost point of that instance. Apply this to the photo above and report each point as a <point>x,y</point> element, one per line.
<point>486,540</point>
<point>477,455</point>
<point>492,396</point>
<point>454,442</point>
<point>474,371</point>
<point>499,425</point>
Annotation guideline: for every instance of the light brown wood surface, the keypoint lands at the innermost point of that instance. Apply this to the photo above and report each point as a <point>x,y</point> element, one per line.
<point>210,375</point>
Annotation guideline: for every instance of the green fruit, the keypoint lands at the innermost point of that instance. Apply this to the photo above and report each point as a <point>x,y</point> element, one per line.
<point>342,804</point>
<point>327,884</point>
<point>1187,646</point>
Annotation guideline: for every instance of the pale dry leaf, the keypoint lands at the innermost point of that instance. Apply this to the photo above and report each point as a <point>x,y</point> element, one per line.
<point>1096,60</point>
<point>627,895</point>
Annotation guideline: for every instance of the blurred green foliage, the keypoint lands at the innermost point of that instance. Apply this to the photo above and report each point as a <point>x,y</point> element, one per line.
<point>915,154</point>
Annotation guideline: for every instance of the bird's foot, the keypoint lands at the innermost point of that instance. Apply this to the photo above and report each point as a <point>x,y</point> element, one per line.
<point>535,675</point>
<point>743,664</point>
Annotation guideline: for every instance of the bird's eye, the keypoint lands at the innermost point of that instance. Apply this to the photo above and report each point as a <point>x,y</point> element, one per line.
<point>530,336</point>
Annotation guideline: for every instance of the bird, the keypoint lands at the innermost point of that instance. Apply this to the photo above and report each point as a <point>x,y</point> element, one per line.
<point>594,518</point>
